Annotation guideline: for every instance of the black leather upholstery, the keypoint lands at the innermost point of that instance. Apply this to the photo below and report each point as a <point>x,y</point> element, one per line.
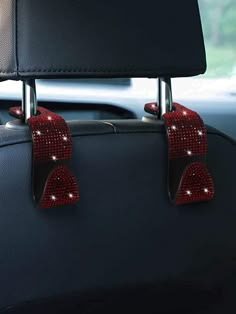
<point>124,248</point>
<point>107,38</point>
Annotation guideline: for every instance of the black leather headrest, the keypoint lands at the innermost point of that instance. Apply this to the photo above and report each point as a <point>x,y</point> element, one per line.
<point>100,38</point>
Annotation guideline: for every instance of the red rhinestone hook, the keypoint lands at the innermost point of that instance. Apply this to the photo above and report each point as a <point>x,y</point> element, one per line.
<point>53,182</point>
<point>189,179</point>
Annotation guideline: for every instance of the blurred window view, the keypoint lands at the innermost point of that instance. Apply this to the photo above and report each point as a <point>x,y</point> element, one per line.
<point>219,82</point>
<point>219,27</point>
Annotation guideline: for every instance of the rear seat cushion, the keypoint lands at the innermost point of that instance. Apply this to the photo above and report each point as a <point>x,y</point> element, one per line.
<point>123,232</point>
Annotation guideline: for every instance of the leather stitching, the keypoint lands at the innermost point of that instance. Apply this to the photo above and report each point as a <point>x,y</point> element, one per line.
<point>96,70</point>
<point>7,72</point>
<point>153,71</point>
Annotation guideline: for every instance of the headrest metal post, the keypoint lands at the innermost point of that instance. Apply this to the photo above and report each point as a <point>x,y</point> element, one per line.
<point>165,99</point>
<point>29,99</point>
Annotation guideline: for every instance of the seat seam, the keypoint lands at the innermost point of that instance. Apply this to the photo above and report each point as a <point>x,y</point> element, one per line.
<point>16,36</point>
<point>112,125</point>
<point>231,141</point>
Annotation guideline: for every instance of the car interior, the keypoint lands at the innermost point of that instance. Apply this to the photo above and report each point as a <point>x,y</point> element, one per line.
<point>102,211</point>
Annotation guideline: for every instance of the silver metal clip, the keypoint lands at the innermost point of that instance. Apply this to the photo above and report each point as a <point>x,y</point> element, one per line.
<point>165,100</point>
<point>29,99</point>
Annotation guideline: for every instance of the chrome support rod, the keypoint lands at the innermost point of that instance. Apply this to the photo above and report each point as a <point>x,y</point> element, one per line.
<point>29,99</point>
<point>165,99</point>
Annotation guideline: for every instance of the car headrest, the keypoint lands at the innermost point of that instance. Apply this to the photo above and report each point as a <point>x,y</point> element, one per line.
<point>106,38</point>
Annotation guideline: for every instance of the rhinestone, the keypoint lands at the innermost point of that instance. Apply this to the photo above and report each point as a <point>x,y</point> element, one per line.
<point>176,139</point>
<point>53,197</point>
<point>50,136</point>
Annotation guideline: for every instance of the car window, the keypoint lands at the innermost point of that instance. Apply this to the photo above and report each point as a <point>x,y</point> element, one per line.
<point>213,95</point>
<point>219,27</point>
